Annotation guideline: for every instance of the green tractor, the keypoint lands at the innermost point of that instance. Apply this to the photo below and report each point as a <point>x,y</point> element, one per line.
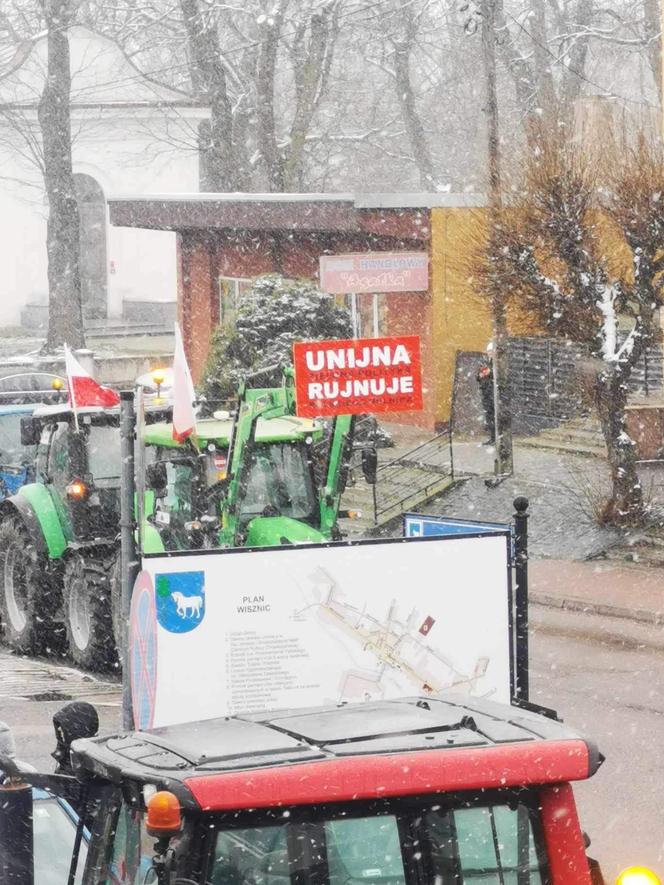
<point>255,480</point>
<point>58,536</point>
<point>263,479</point>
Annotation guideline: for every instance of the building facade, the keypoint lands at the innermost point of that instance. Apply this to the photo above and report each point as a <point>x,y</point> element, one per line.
<point>225,241</point>
<point>129,135</point>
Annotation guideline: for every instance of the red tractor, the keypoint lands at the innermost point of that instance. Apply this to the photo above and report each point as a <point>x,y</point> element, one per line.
<point>415,791</point>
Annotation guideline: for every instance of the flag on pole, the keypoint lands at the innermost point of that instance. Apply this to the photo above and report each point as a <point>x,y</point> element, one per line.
<point>83,390</point>
<point>184,419</point>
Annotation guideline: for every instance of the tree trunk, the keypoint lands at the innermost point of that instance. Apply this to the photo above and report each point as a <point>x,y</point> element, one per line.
<point>410,115</point>
<point>626,505</point>
<point>265,74</point>
<point>217,155</point>
<point>311,67</point>
<point>504,460</point>
<point>65,320</point>
<point>653,33</point>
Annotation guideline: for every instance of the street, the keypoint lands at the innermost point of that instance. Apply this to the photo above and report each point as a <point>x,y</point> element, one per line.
<point>615,695</point>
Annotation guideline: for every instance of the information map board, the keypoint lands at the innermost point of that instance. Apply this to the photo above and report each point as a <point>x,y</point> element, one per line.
<point>224,632</point>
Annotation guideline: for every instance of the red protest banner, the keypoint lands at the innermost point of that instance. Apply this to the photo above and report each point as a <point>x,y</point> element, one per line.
<point>358,375</point>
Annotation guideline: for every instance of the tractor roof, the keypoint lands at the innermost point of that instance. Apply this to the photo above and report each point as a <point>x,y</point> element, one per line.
<point>339,753</point>
<point>65,411</point>
<point>268,430</point>
<point>56,409</point>
<point>16,409</point>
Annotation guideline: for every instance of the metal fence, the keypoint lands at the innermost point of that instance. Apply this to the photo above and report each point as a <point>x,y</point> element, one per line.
<point>414,477</point>
<point>546,380</point>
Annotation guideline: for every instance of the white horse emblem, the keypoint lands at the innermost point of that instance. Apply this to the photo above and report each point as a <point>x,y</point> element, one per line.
<point>187,606</point>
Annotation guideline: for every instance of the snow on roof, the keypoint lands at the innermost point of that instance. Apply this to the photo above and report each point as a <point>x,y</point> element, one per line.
<point>358,201</point>
<point>235,197</point>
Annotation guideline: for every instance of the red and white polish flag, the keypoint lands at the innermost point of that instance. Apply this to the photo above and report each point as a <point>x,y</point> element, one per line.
<point>83,390</point>
<point>184,417</point>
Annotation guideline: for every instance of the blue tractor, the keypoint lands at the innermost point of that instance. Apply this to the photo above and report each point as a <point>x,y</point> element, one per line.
<point>20,394</point>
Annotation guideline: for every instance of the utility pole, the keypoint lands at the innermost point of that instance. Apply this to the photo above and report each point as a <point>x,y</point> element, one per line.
<point>504,464</point>
<point>129,564</point>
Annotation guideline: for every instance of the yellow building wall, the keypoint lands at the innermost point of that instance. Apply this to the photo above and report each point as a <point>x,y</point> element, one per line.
<point>461,313</point>
<point>461,318</point>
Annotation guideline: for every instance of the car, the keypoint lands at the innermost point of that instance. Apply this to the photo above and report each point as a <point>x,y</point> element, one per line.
<point>31,387</point>
<point>20,394</point>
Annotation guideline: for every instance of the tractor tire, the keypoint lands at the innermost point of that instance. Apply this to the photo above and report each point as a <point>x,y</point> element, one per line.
<point>86,595</point>
<point>26,596</point>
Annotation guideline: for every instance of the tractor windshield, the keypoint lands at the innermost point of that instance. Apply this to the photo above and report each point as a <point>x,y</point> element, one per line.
<point>494,838</point>
<point>279,483</point>
<point>474,842</point>
<point>104,461</point>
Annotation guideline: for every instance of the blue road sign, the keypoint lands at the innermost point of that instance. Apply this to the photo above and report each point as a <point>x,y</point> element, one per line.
<point>417,525</point>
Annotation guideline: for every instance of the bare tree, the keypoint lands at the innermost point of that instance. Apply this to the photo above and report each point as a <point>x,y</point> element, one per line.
<point>552,256</point>
<point>221,168</point>
<point>401,25</point>
<point>65,323</point>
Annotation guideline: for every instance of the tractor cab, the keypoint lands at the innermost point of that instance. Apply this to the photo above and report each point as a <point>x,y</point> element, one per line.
<point>59,534</point>
<point>190,479</point>
<point>78,461</point>
<point>404,792</point>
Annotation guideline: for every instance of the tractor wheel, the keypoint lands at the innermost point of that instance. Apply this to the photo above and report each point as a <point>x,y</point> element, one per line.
<point>87,606</point>
<point>25,590</point>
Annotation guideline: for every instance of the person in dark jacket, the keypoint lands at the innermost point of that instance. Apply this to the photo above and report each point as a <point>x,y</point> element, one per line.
<point>485,382</point>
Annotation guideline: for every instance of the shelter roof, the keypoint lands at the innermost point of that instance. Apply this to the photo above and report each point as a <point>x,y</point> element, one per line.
<point>343,212</point>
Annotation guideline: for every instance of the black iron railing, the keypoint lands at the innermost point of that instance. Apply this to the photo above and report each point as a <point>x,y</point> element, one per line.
<point>413,477</point>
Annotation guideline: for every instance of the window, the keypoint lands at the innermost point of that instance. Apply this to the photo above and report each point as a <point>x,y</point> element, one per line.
<point>54,829</point>
<point>278,478</point>
<point>259,854</point>
<point>59,461</point>
<point>41,464</point>
<point>231,290</point>
<point>130,852</point>
<point>364,849</point>
<point>412,844</point>
<point>104,461</point>
<point>12,453</point>
<point>368,314</point>
<point>490,844</point>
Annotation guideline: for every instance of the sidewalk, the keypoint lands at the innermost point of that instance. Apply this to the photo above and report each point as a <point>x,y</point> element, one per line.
<point>606,588</point>
<point>568,571</point>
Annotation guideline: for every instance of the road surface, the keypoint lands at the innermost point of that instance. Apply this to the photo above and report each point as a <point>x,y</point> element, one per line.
<point>614,694</point>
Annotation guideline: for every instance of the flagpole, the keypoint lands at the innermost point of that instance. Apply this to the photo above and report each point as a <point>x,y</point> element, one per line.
<point>70,385</point>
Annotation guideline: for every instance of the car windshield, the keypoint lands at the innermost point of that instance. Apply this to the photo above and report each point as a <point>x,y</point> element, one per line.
<point>54,827</point>
<point>104,461</point>
<point>12,453</point>
<point>279,483</point>
<point>493,844</point>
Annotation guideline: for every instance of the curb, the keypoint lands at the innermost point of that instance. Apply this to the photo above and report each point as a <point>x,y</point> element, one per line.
<point>573,604</point>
